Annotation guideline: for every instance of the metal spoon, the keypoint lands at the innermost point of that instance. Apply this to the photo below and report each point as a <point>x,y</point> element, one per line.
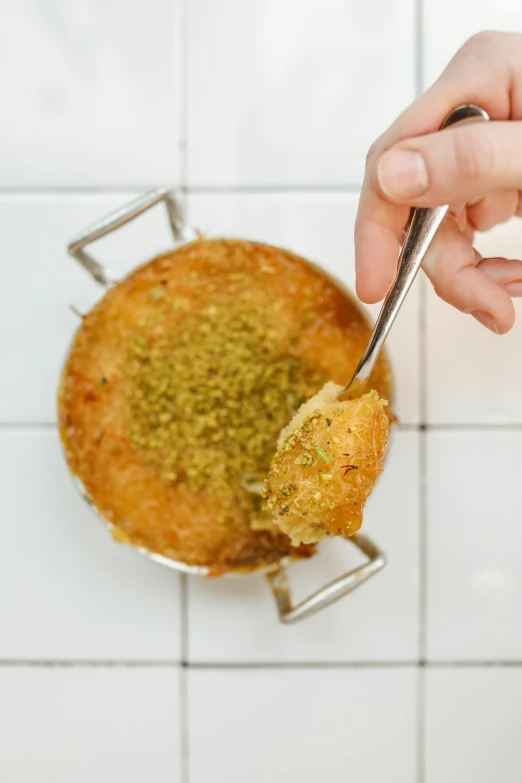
<point>422,228</point>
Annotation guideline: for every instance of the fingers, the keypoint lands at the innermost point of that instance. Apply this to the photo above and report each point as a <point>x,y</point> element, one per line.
<point>493,209</point>
<point>463,222</point>
<point>378,234</point>
<point>459,277</point>
<point>487,71</point>
<point>505,272</point>
<point>458,164</point>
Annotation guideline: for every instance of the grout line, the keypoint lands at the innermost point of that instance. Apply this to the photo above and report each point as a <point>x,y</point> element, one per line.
<point>223,665</point>
<point>28,425</point>
<point>500,664</point>
<point>88,664</point>
<point>423,545</point>
<point>477,427</point>
<point>132,190</point>
<point>423,404</point>
<point>184,725</point>
<point>183,93</point>
<point>268,189</point>
<point>83,190</point>
<point>415,664</point>
<point>419,60</point>
<point>423,370</point>
<point>421,725</point>
<point>423,352</point>
<point>13,663</point>
<point>183,196</point>
<point>184,618</point>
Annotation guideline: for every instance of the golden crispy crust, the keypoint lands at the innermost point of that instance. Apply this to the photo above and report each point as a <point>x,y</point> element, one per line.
<point>320,323</point>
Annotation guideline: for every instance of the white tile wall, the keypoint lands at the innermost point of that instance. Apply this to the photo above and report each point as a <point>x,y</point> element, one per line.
<point>441,39</point>
<point>474,544</point>
<point>302,725</point>
<point>85,724</point>
<point>262,112</point>
<point>472,725</point>
<point>90,93</point>
<point>293,93</point>
<point>473,376</point>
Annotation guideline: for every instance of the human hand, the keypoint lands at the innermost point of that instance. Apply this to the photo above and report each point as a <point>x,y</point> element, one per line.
<point>476,168</point>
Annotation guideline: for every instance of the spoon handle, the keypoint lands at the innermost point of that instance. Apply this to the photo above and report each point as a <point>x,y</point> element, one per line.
<point>423,226</point>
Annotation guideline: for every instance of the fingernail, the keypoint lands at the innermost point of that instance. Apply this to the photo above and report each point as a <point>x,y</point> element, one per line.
<point>514,288</point>
<point>486,320</point>
<point>402,174</point>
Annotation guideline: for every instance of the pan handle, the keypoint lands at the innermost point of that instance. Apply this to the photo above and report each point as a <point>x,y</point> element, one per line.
<point>331,592</point>
<point>119,218</point>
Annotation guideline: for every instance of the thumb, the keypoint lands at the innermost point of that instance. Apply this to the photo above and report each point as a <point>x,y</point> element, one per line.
<point>458,164</point>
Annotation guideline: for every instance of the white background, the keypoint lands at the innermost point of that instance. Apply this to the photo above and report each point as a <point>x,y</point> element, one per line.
<point>115,669</point>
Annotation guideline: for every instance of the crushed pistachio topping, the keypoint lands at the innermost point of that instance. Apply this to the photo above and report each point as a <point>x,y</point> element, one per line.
<point>207,401</point>
<point>322,453</point>
<point>305,460</point>
<point>325,476</point>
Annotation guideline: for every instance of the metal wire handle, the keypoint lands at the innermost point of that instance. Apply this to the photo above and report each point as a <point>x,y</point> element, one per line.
<point>331,592</point>
<point>119,218</point>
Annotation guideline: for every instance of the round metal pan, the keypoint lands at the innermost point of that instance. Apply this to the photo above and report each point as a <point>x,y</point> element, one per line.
<point>276,575</point>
